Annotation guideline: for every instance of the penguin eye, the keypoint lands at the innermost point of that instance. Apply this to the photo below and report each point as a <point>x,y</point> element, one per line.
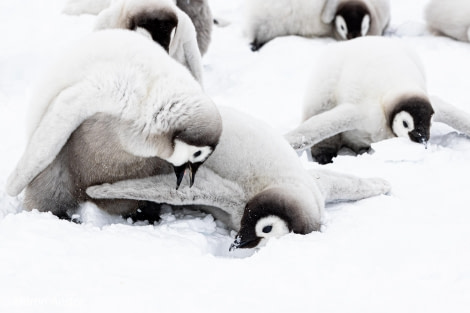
<point>267,229</point>
<point>405,124</point>
<point>342,27</point>
<point>197,153</point>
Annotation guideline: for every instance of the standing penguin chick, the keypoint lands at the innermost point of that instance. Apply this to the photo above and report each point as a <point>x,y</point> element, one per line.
<point>163,22</point>
<point>355,99</point>
<point>254,182</point>
<point>201,16</point>
<point>342,19</point>
<point>449,18</point>
<point>141,104</point>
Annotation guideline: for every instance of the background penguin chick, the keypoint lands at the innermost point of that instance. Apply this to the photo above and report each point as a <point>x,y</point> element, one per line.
<point>449,18</point>
<point>254,182</point>
<point>201,16</point>
<point>349,103</point>
<point>160,20</point>
<point>143,114</point>
<point>342,19</point>
<point>198,11</point>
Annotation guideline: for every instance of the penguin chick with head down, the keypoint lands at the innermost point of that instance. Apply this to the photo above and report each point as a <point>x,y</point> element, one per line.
<point>142,107</point>
<point>355,99</point>
<point>159,20</point>
<point>449,18</point>
<point>342,19</point>
<point>254,182</point>
<point>198,11</point>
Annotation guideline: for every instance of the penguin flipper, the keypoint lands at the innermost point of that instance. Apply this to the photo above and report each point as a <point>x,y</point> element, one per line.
<point>342,187</point>
<point>329,11</point>
<point>192,55</point>
<point>324,125</point>
<point>449,114</point>
<point>64,114</point>
<point>209,189</point>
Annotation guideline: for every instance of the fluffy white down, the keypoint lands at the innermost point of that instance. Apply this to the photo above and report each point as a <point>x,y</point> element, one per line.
<point>450,17</point>
<point>116,72</point>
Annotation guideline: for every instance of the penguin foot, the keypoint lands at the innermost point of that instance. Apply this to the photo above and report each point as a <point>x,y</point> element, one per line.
<point>325,157</point>
<point>146,211</point>
<point>255,45</point>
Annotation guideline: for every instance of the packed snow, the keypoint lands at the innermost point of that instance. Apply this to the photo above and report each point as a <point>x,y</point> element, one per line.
<point>404,252</point>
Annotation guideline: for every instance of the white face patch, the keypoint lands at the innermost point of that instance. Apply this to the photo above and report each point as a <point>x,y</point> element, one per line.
<point>402,124</point>
<point>341,27</point>
<point>184,153</point>
<point>365,25</point>
<point>271,226</point>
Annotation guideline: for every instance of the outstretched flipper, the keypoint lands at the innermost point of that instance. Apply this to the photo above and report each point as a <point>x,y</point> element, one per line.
<point>451,115</point>
<point>185,38</point>
<point>209,190</point>
<point>329,11</point>
<point>342,187</point>
<point>324,125</point>
<point>65,113</point>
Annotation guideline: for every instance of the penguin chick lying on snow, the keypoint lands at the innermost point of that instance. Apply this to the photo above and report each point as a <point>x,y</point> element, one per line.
<point>159,20</point>
<point>355,99</point>
<point>342,19</point>
<point>449,18</point>
<point>254,182</point>
<point>140,105</point>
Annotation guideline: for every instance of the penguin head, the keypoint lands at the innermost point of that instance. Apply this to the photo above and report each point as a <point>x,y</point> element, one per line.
<point>352,20</point>
<point>184,132</point>
<point>270,214</point>
<point>159,24</point>
<point>411,118</point>
<point>194,138</point>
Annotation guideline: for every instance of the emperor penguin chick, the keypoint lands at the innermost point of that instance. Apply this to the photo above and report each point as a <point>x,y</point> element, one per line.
<point>116,106</point>
<point>198,11</point>
<point>254,182</point>
<point>160,20</point>
<point>449,18</point>
<point>342,19</point>
<point>355,99</point>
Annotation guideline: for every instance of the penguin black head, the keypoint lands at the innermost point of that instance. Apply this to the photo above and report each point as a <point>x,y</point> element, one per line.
<point>194,141</point>
<point>159,23</point>
<point>352,20</point>
<point>271,213</point>
<point>411,118</point>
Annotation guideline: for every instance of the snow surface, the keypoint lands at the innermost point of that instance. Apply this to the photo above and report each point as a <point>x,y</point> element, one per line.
<point>406,252</point>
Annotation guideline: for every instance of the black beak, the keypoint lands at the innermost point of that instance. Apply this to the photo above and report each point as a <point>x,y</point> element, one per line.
<point>179,171</point>
<point>419,136</point>
<point>240,243</point>
<point>193,167</point>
